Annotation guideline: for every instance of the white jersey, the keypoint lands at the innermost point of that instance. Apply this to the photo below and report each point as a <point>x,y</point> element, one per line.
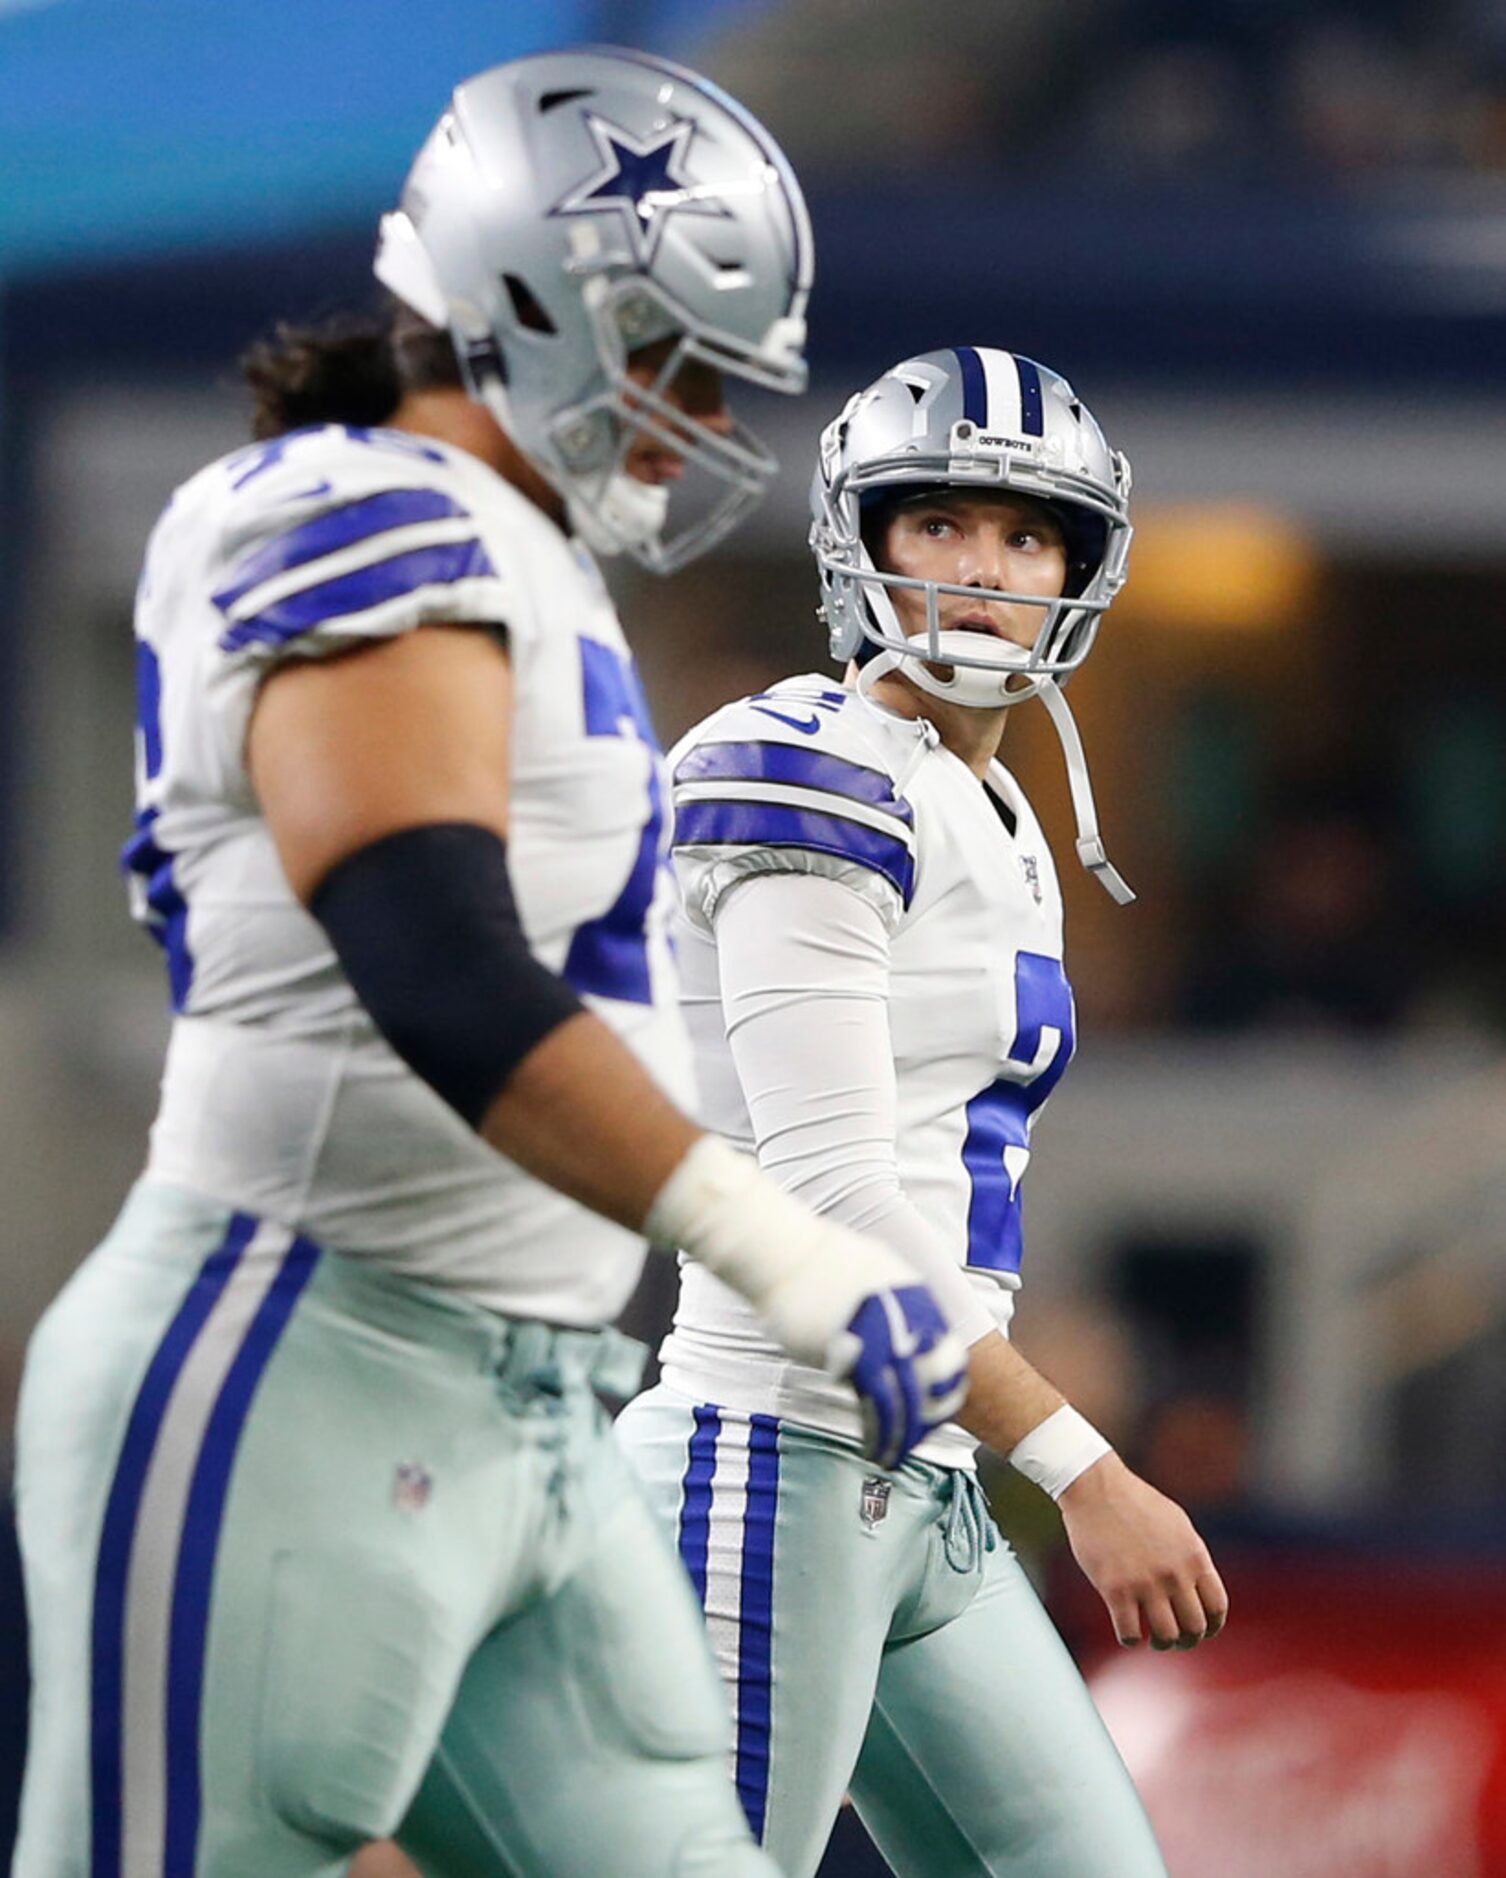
<point>279,1095</point>
<point>810,779</point>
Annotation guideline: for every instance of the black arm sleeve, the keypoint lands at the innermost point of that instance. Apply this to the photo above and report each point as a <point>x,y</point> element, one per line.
<point>425,925</point>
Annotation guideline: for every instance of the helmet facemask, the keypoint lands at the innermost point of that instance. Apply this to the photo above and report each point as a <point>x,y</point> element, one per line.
<point>987,674</point>
<point>587,445</point>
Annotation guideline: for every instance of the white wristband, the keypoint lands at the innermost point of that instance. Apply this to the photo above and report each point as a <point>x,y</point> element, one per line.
<point>1056,1452</point>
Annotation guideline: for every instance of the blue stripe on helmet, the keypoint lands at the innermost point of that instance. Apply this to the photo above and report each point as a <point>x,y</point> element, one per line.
<point>361,590</point>
<point>788,763</point>
<point>112,1569</point>
<point>773,825</point>
<point>188,1634</point>
<point>755,1653</point>
<point>695,1498</point>
<point>974,386</point>
<point>338,528</point>
<point>1032,415</point>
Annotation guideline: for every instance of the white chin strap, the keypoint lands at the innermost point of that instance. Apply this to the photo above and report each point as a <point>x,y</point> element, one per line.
<point>1089,842</point>
<point>979,686</point>
<point>626,515</point>
<point>1090,849</point>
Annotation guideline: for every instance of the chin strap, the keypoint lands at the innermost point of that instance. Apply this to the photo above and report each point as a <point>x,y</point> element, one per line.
<point>873,670</point>
<point>626,515</point>
<point>1090,849</point>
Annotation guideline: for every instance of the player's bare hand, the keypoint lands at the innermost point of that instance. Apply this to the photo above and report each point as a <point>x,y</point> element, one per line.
<point>1144,1558</point>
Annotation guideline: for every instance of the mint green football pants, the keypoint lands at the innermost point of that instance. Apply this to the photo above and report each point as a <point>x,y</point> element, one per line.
<point>315,1555</point>
<point>877,1636</point>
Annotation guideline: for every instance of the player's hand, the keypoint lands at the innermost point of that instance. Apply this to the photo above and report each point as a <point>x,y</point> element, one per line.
<point>834,1298</point>
<point>909,1370</point>
<point>851,1306</point>
<point>1142,1555</point>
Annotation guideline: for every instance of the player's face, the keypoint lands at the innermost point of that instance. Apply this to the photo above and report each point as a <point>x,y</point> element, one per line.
<point>984,539</point>
<point>696,389</point>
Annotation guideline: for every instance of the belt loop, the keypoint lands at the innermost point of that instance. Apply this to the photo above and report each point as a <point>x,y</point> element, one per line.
<point>530,1360</point>
<point>527,1367</point>
<point>617,1363</point>
<point>498,1344</point>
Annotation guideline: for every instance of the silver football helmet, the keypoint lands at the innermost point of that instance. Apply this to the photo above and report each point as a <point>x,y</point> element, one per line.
<point>572,208</point>
<point>972,418</point>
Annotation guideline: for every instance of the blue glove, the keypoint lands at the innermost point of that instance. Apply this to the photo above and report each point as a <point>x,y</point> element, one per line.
<point>807,1276</point>
<point>909,1370</point>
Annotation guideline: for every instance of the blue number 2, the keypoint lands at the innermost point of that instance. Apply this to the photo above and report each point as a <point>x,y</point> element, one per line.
<point>998,1121</point>
<point>609,956</point>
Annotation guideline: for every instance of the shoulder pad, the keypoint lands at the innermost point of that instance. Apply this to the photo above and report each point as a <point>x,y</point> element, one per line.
<point>794,769</point>
<point>811,713</point>
<point>337,524</point>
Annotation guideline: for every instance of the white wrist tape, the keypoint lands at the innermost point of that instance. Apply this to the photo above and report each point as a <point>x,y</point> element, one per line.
<point>1056,1452</point>
<point>805,1275</point>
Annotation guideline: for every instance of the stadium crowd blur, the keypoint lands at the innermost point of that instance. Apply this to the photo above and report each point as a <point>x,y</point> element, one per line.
<point>1224,89</point>
<point>1267,239</point>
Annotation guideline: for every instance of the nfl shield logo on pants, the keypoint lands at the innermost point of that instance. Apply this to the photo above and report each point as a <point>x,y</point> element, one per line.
<point>411,1487</point>
<point>874,1503</point>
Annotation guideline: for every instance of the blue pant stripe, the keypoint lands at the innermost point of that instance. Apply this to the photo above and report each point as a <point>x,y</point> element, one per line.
<point>756,1622</point>
<point>695,1498</point>
<point>202,1518</point>
<point>107,1682</point>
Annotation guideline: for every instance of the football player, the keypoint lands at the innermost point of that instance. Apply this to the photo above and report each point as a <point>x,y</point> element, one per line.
<point>870,939</point>
<point>325,1536</point>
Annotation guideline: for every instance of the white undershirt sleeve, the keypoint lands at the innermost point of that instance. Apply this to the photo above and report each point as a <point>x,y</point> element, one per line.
<point>804,965</point>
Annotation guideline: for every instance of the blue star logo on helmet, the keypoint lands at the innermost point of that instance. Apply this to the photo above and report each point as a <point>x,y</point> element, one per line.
<point>645,179</point>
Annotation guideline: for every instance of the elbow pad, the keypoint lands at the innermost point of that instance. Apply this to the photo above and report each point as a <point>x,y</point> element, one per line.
<point>426,928</point>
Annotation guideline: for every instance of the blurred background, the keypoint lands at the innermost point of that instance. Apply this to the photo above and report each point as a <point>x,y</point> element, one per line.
<point>1266,239</point>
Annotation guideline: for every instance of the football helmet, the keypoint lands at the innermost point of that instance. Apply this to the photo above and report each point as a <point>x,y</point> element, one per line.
<point>968,419</point>
<point>572,208</point>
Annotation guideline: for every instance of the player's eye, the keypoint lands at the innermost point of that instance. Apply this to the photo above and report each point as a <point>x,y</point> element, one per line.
<point>937,527</point>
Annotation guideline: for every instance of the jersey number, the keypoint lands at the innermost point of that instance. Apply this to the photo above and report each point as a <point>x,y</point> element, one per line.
<point>997,1148</point>
<point>609,956</point>
<point>160,904</point>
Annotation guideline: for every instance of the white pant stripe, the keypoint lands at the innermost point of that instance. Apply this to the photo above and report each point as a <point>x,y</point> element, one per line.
<point>154,1549</point>
<point>724,1551</point>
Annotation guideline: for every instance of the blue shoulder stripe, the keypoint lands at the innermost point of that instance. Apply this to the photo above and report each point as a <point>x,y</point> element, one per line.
<point>772,825</point>
<point>337,528</point>
<point>356,592</point>
<point>788,763</point>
